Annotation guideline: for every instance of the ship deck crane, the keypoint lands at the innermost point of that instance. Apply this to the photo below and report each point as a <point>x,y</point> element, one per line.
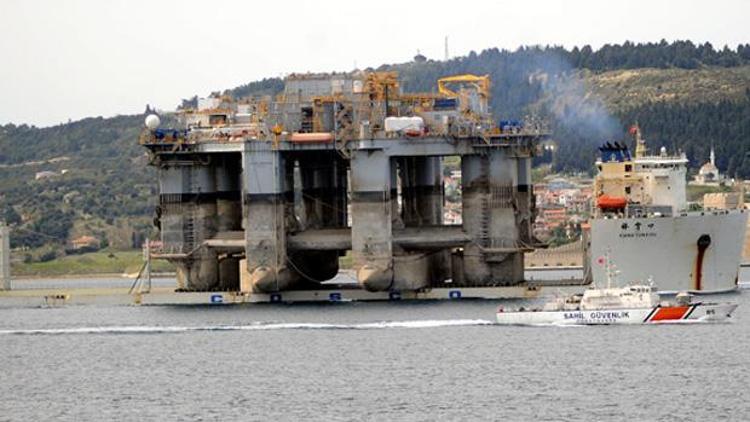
<point>481,83</point>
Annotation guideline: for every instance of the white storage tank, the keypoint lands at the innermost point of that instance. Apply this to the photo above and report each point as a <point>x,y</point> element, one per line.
<point>399,124</point>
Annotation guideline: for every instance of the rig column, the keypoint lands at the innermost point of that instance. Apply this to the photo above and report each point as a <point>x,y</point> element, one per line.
<point>372,239</point>
<point>526,201</point>
<point>188,217</point>
<point>229,217</point>
<point>267,196</point>
<point>504,254</point>
<point>422,199</point>
<point>430,200</point>
<point>475,216</point>
<point>490,182</point>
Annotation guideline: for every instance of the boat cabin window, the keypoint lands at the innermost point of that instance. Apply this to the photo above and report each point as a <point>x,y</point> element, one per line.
<point>217,119</point>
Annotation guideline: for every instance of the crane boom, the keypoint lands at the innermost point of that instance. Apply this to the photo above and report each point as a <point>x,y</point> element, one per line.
<point>481,83</point>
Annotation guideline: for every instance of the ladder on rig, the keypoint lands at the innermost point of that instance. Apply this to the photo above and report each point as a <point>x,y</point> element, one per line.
<point>485,206</point>
<point>189,213</point>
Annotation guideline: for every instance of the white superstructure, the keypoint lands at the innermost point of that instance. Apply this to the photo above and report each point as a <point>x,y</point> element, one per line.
<point>641,216</point>
<point>663,180</point>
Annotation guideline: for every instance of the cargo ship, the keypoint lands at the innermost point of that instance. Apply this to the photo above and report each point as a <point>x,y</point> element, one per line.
<point>641,216</point>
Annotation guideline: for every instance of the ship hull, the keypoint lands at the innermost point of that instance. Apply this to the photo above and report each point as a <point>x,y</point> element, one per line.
<point>656,315</point>
<point>696,252</point>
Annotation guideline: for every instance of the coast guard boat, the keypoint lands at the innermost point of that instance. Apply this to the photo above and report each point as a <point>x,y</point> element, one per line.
<point>631,304</point>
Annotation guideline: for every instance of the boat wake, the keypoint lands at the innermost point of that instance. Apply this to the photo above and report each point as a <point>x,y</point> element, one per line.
<point>259,326</point>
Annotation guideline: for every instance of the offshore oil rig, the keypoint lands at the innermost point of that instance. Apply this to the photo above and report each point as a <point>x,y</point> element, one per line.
<point>265,194</point>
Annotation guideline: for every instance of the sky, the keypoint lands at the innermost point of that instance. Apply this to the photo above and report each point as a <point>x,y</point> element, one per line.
<point>62,60</point>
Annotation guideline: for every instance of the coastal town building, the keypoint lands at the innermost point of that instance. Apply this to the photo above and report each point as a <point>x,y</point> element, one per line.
<point>84,242</point>
<point>709,174</point>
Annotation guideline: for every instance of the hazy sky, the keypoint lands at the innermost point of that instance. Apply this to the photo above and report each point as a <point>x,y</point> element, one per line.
<point>63,60</point>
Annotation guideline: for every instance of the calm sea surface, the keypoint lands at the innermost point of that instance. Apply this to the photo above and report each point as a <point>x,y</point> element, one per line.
<point>363,361</point>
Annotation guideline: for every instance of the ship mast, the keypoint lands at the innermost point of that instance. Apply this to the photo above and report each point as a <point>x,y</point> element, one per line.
<point>640,143</point>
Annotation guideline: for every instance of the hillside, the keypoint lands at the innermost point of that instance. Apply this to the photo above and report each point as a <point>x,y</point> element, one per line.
<point>686,109</point>
<point>622,90</point>
<point>97,182</point>
<point>683,95</point>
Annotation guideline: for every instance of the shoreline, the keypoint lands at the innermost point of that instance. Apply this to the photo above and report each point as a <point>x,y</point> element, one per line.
<point>92,276</point>
<point>85,276</point>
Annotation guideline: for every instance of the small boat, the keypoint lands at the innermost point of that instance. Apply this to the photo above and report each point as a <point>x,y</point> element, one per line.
<point>632,304</point>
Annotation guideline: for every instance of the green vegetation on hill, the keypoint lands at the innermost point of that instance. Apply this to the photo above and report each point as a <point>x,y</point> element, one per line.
<point>622,90</point>
<point>101,262</point>
<point>695,127</point>
<point>100,182</point>
<point>683,95</point>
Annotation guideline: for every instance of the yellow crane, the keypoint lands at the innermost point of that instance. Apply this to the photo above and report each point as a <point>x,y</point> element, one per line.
<point>481,83</point>
<point>474,101</point>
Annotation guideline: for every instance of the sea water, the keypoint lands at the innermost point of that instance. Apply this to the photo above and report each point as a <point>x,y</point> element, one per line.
<point>424,361</point>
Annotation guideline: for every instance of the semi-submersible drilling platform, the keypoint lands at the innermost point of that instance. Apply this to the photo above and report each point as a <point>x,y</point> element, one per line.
<point>264,195</point>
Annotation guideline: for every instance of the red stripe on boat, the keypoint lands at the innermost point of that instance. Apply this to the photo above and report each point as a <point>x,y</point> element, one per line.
<point>670,313</point>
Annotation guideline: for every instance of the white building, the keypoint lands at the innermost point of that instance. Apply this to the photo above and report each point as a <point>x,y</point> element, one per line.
<point>709,174</point>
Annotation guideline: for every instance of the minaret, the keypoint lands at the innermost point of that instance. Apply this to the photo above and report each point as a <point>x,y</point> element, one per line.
<point>712,157</point>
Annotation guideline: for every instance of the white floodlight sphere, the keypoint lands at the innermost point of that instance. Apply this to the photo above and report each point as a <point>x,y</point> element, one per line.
<point>152,121</point>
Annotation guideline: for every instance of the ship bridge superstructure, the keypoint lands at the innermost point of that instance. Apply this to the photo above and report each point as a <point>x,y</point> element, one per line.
<point>640,185</point>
